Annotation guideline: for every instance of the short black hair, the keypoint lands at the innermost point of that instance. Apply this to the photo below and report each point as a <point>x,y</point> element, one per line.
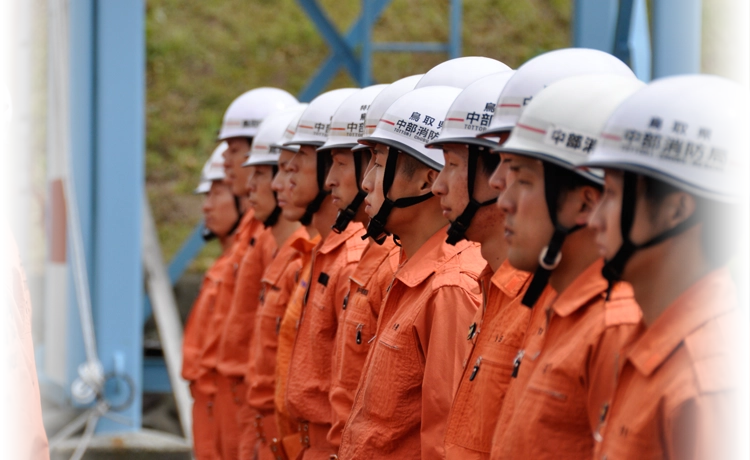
<point>718,236</point>
<point>408,165</point>
<point>488,161</point>
<point>567,181</point>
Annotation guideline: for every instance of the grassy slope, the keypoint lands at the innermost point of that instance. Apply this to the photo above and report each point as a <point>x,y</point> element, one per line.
<point>202,54</point>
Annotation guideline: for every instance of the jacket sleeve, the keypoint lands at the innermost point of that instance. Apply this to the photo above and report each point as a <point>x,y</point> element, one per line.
<point>440,327</point>
<point>710,425</point>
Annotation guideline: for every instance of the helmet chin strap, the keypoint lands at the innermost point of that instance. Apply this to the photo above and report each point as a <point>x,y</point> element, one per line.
<point>274,217</point>
<point>550,256</point>
<point>457,229</point>
<point>376,228</point>
<point>347,214</point>
<point>209,235</point>
<point>614,267</point>
<point>314,205</point>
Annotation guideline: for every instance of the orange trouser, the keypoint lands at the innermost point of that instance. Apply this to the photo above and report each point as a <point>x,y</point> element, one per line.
<point>205,446</point>
<point>258,432</point>
<point>229,400</point>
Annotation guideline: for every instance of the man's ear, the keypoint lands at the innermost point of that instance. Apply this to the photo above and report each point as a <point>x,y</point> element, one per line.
<point>428,178</point>
<point>676,207</point>
<point>587,197</point>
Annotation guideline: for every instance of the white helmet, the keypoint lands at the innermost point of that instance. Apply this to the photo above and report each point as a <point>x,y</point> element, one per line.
<point>562,123</point>
<point>7,112</point>
<point>690,131</point>
<point>277,146</point>
<point>471,112</point>
<point>408,124</point>
<point>384,100</point>
<point>313,125</point>
<point>213,170</point>
<point>542,71</point>
<point>560,127</point>
<point>348,123</point>
<point>461,72</point>
<point>413,120</point>
<point>245,113</point>
<point>270,132</point>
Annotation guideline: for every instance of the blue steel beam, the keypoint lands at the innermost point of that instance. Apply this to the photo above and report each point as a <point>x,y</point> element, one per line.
<point>456,22</point>
<point>331,65</point>
<point>414,47</point>
<point>677,37</point>
<point>340,47</point>
<point>119,141</point>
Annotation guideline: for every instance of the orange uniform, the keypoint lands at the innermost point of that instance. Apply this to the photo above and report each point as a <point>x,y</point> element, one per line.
<point>496,335</point>
<point>257,416</point>
<point>566,375</point>
<point>204,427</point>
<point>357,325</point>
<point>677,396</point>
<point>287,334</point>
<point>415,363</point>
<point>21,404</point>
<point>309,381</point>
<point>227,429</point>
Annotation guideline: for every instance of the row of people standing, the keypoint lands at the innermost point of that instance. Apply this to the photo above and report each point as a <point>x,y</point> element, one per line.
<point>475,262</point>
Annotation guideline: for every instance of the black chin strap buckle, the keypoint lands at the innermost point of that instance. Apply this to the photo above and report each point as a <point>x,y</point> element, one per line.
<point>376,227</point>
<point>346,215</point>
<point>458,228</point>
<point>207,234</point>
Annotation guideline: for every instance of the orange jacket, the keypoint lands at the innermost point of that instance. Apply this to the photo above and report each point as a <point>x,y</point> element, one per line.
<point>22,408</point>
<point>210,353</point>
<point>238,326</point>
<point>357,325</point>
<point>496,335</point>
<point>677,396</point>
<point>334,260</point>
<point>278,283</point>
<point>200,315</point>
<point>288,329</point>
<point>414,366</point>
<point>565,376</point>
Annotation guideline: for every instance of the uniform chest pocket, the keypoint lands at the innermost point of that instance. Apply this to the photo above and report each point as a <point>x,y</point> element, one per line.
<point>272,302</point>
<point>358,332</point>
<point>559,394</point>
<point>393,379</point>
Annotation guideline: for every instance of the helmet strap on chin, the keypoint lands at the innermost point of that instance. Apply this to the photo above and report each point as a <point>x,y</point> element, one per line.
<point>321,166</point>
<point>613,268</point>
<point>376,228</point>
<point>458,228</point>
<point>347,214</point>
<point>550,256</point>
<point>272,219</point>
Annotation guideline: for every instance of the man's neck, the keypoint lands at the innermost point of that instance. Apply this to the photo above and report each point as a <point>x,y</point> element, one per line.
<point>226,243</point>
<point>578,253</point>
<point>244,204</point>
<point>283,229</point>
<point>325,217</point>
<point>427,219</point>
<point>665,272</point>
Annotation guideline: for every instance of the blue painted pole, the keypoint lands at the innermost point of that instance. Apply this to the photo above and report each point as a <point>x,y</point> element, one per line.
<point>119,161</point>
<point>677,37</point>
<point>456,22</point>
<point>594,24</point>
<point>640,42</point>
<point>365,58</point>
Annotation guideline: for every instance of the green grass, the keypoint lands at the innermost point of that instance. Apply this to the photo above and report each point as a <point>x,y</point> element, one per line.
<point>203,54</point>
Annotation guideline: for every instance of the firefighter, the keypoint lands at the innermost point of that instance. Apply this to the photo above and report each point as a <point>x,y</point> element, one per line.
<point>220,215</point>
<point>334,259</point>
<point>415,360</point>
<point>563,376</point>
<point>239,126</point>
<point>675,155</point>
<point>469,202</point>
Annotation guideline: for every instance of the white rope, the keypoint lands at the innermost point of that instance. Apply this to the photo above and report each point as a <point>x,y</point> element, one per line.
<point>91,374</point>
